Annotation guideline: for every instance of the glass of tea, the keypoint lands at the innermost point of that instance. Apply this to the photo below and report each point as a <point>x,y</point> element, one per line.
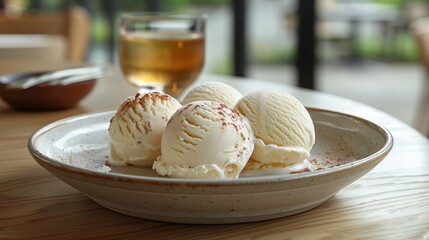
<point>161,51</point>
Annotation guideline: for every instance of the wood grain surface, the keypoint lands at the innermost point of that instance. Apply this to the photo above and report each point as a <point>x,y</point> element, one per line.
<point>390,202</point>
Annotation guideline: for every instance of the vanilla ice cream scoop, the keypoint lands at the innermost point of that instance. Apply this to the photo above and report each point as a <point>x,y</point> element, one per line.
<point>136,129</point>
<point>283,128</point>
<point>205,139</point>
<point>213,91</point>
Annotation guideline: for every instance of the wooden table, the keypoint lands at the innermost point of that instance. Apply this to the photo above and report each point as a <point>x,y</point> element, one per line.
<point>390,202</point>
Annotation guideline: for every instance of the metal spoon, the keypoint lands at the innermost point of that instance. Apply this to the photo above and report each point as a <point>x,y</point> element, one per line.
<point>57,77</point>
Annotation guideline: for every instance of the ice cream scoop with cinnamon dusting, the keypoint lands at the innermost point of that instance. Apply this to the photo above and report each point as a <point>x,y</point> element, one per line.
<point>136,129</point>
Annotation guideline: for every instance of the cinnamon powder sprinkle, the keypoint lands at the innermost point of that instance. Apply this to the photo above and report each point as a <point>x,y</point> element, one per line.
<point>140,99</point>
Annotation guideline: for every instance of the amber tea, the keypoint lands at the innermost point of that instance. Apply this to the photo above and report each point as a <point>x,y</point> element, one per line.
<point>170,61</point>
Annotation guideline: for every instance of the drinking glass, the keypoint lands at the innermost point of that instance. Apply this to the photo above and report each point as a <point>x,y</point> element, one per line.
<point>161,51</point>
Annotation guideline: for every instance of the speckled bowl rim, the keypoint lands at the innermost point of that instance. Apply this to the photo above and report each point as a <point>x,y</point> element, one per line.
<point>41,158</point>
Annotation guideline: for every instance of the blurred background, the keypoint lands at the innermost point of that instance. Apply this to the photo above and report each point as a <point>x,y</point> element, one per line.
<point>365,50</point>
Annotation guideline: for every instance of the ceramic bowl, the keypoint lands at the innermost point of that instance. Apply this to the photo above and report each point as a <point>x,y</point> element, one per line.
<point>76,149</point>
<point>46,97</point>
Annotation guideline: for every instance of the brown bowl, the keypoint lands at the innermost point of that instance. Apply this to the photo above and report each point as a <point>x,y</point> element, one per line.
<point>46,97</point>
